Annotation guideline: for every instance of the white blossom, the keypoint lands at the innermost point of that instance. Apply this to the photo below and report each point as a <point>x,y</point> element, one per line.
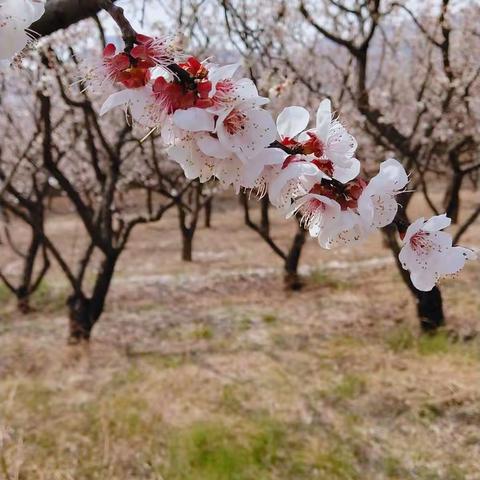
<point>428,253</point>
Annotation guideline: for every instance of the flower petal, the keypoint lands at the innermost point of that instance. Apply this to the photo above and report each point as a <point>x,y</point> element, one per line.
<point>324,118</point>
<point>294,171</point>
<point>391,177</point>
<point>257,132</point>
<point>292,121</point>
<point>116,99</point>
<point>194,120</point>
<point>12,41</point>
<point>194,164</point>
<point>383,208</point>
<point>222,73</point>
<point>454,260</point>
<point>340,145</point>
<point>344,229</point>
<point>272,156</point>
<point>230,172</point>
<point>212,147</point>
<point>345,174</point>
<point>423,280</point>
<point>437,222</point>
<point>407,257</point>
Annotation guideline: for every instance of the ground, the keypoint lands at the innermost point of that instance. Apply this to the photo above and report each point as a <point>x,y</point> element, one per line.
<point>211,371</point>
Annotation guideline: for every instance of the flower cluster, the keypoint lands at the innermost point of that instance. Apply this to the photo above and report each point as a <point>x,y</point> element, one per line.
<point>15,18</point>
<point>214,125</point>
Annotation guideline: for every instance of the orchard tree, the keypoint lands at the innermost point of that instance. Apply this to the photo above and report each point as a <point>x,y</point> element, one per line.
<point>95,166</point>
<point>25,190</point>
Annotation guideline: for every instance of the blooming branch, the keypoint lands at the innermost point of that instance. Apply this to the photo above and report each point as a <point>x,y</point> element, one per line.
<point>214,124</point>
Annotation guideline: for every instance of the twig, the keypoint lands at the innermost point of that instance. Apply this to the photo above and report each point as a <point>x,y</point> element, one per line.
<point>129,34</point>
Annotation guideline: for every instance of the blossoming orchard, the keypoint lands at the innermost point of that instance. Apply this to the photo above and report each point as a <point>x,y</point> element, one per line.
<point>215,124</point>
<point>239,239</point>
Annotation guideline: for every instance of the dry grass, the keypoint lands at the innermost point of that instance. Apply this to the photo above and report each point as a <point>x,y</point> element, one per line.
<point>210,371</point>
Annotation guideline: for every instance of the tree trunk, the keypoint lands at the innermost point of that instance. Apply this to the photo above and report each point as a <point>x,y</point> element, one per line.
<point>208,212</point>
<point>429,304</point>
<point>28,283</point>
<point>84,312</point>
<point>452,197</point>
<point>187,231</point>
<point>26,288</point>
<point>187,246</point>
<point>291,278</point>
<point>102,284</point>
<point>80,319</point>
<point>23,300</point>
<point>265,219</point>
<point>430,309</point>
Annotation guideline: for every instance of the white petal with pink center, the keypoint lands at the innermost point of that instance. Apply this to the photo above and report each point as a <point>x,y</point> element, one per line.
<point>218,73</point>
<point>227,91</point>
<point>377,204</point>
<point>428,252</point>
<point>246,130</point>
<point>317,211</point>
<point>337,144</point>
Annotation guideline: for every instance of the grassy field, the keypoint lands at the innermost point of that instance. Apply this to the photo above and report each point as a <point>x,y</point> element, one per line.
<point>211,371</point>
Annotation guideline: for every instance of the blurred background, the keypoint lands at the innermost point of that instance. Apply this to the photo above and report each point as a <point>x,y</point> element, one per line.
<point>159,328</point>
